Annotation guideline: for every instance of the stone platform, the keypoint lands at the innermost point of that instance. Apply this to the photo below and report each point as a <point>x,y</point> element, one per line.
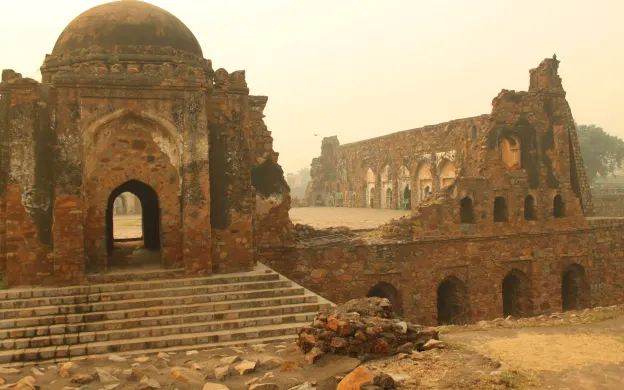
<point>135,317</point>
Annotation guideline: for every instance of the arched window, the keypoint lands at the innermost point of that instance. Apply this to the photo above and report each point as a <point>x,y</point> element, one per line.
<point>475,132</point>
<point>388,291</point>
<point>500,209</point>
<point>558,206</point>
<point>389,198</point>
<point>466,211</point>
<point>529,208</point>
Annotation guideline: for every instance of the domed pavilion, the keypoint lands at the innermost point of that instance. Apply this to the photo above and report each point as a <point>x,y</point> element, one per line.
<point>128,103</point>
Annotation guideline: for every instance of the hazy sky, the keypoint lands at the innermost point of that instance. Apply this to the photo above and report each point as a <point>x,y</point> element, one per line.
<point>364,68</point>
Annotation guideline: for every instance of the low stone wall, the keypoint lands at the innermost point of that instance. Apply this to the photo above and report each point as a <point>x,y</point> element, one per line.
<point>466,275</point>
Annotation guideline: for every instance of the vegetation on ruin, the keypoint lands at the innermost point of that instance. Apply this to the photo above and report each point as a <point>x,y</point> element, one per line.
<point>602,152</point>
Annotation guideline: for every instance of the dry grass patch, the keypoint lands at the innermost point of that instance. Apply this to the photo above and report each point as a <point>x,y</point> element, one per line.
<point>555,352</point>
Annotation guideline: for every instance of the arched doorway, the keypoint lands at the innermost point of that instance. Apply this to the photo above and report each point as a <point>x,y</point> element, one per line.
<point>558,206</point>
<point>452,302</point>
<point>371,198</point>
<point>388,198</point>
<point>407,198</point>
<point>573,287</point>
<point>143,249</point>
<point>516,294</point>
<point>466,211</point>
<point>388,291</point>
<point>500,209</point>
<point>529,208</point>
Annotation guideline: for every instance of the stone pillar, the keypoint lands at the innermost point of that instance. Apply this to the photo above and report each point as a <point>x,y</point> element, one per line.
<point>196,232</point>
<point>4,171</point>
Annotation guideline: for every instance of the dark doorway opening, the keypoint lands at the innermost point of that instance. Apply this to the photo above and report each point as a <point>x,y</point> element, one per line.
<point>466,212</point>
<point>573,287</point>
<point>388,291</point>
<point>134,250</point>
<point>500,209</point>
<point>516,295</point>
<point>558,207</point>
<point>529,208</point>
<point>452,302</point>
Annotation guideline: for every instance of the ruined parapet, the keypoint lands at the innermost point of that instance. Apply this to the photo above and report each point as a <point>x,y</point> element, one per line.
<point>546,77</point>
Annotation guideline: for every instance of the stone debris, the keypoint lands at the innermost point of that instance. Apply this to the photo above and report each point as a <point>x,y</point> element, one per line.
<point>9,371</point>
<point>303,386</point>
<point>82,379</point>
<point>431,344</point>
<point>363,378</point>
<point>215,386</point>
<point>105,377</point>
<point>290,365</point>
<point>264,386</point>
<point>229,359</point>
<point>116,358</point>
<point>245,367</point>
<point>364,328</point>
<point>148,384</point>
<point>191,353</point>
<point>162,355</point>
<point>142,359</point>
<point>221,372</point>
<point>270,362</point>
<point>187,375</point>
<point>67,369</point>
<point>36,372</point>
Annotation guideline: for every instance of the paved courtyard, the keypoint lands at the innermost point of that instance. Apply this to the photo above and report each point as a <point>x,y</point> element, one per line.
<point>354,218</point>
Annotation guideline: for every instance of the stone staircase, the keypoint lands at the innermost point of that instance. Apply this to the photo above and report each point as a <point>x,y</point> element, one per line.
<point>123,317</point>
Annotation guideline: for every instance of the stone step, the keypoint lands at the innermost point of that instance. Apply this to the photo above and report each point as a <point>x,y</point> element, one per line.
<point>157,331</point>
<point>121,277</point>
<point>148,302</point>
<point>49,292</point>
<point>165,320</point>
<point>152,312</point>
<point>141,294</point>
<point>193,340</point>
<point>36,360</point>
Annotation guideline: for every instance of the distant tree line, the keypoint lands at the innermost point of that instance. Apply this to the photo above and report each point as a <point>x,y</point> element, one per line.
<point>602,152</point>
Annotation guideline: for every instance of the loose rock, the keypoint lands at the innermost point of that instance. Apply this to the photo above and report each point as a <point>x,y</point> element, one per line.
<point>245,367</point>
<point>183,374</point>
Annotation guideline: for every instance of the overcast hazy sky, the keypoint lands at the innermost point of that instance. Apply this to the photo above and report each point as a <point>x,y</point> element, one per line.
<point>363,68</point>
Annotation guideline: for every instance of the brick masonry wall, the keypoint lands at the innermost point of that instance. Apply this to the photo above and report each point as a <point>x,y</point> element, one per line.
<point>346,271</point>
<point>608,205</point>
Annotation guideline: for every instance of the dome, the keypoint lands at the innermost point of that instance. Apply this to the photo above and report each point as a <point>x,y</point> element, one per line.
<point>127,22</point>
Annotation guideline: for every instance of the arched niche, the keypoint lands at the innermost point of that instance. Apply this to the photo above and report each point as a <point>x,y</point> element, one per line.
<point>447,173</point>
<point>404,188</point>
<point>424,182</point>
<point>511,153</point>
<point>370,188</point>
<point>386,184</point>
<point>452,302</point>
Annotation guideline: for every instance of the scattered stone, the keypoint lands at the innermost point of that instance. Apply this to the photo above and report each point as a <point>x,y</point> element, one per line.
<point>402,356</point>
<point>191,353</point>
<point>35,371</point>
<point>238,351</point>
<point>221,372</point>
<point>398,378</point>
<point>259,347</point>
<point>147,384</point>
<point>384,381</point>
<point>406,348</point>
<point>9,371</point>
<point>314,355</point>
<point>116,358</point>
<point>403,326</point>
<point>142,359</point>
<point>356,379</point>
<point>82,379</point>
<point>304,386</point>
<point>67,369</point>
<point>264,386</point>
<point>431,344</point>
<point>245,367</point>
<point>252,381</point>
<point>270,362</point>
<point>162,355</point>
<point>26,383</point>
<point>183,374</point>
<point>105,377</point>
<point>289,365</point>
<point>229,359</point>
<point>196,366</point>
<point>215,386</point>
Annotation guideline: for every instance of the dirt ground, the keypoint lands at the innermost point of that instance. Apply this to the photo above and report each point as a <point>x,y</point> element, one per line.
<point>573,350</point>
<point>354,218</point>
<point>127,226</point>
<point>570,356</point>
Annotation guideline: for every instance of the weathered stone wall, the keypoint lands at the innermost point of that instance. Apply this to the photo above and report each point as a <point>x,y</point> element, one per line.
<point>157,122</point>
<point>416,270</point>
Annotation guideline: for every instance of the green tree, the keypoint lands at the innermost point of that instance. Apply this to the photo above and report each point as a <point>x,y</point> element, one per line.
<point>602,152</point>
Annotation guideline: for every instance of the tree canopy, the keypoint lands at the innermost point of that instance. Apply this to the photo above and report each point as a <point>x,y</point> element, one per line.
<point>602,152</point>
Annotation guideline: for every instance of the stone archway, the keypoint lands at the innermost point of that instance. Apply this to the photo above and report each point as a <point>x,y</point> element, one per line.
<point>452,302</point>
<point>573,288</point>
<point>388,291</point>
<point>150,213</point>
<point>517,294</point>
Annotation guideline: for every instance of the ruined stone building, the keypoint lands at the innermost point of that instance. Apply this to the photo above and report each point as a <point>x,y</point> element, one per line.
<point>501,220</point>
<point>128,103</point>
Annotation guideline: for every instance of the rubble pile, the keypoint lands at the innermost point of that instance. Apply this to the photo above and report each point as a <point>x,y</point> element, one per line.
<point>362,328</point>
